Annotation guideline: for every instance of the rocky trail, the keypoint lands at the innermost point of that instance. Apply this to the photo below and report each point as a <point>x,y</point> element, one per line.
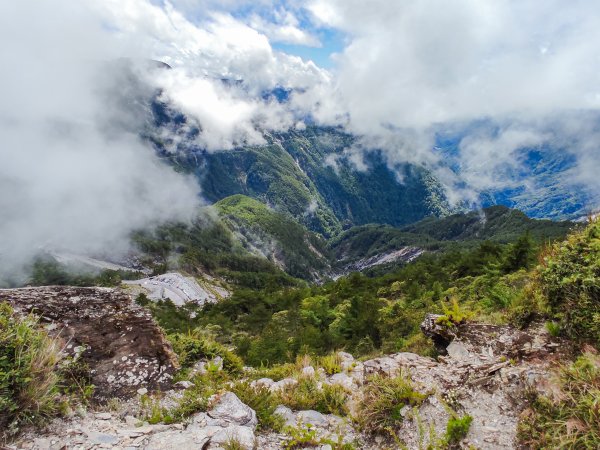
<point>485,373</point>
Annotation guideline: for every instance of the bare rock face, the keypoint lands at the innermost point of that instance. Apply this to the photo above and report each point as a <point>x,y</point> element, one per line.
<point>123,346</point>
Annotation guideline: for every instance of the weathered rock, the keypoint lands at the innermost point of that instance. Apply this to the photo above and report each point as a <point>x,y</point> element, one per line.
<point>243,436</point>
<point>308,371</point>
<point>312,417</point>
<point>231,410</point>
<point>184,384</point>
<point>282,384</point>
<point>119,340</point>
<point>342,379</point>
<point>262,382</point>
<point>101,438</point>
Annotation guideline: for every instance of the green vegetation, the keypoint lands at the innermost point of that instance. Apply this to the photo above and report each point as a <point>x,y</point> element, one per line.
<point>196,345</point>
<point>569,279</point>
<point>570,417</point>
<point>385,401</point>
<point>36,381</point>
<point>457,429</point>
<point>361,314</point>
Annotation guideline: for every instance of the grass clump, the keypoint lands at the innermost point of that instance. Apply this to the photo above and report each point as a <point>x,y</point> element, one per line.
<point>35,378</point>
<point>195,345</point>
<point>570,418</point>
<point>263,401</point>
<point>331,363</point>
<point>310,394</point>
<point>306,436</point>
<point>383,399</point>
<point>457,429</point>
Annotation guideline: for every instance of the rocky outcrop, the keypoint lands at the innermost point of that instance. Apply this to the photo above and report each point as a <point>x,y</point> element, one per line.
<point>180,289</point>
<point>122,345</point>
<point>484,374</point>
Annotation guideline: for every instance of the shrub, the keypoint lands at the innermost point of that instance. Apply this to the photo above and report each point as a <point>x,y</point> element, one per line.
<point>194,346</point>
<point>261,400</point>
<point>332,363</point>
<point>457,428</point>
<point>570,279</point>
<point>383,400</point>
<point>455,315</point>
<point>29,384</point>
<point>194,399</point>
<point>309,394</point>
<point>571,417</point>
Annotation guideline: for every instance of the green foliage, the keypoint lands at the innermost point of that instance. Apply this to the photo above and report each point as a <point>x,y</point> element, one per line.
<point>36,381</point>
<point>457,428</point>
<point>194,399</point>
<point>553,328</point>
<point>306,436</point>
<point>261,400</point>
<point>302,436</point>
<point>196,345</point>
<point>571,417</point>
<point>569,278</point>
<point>29,385</point>
<point>308,394</point>
<point>331,363</point>
<point>383,403</point>
<point>453,316</point>
<point>46,271</point>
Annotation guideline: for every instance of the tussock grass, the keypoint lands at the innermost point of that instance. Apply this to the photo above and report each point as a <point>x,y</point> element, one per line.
<point>570,418</point>
<point>382,401</point>
<point>29,382</point>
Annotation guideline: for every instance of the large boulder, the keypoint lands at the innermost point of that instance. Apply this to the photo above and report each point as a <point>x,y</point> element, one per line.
<point>119,341</point>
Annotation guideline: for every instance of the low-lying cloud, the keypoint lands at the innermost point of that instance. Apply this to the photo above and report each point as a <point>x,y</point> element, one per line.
<point>73,176</point>
<point>75,173</point>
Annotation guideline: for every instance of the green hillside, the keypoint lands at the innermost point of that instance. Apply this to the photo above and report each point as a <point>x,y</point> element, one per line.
<point>307,175</point>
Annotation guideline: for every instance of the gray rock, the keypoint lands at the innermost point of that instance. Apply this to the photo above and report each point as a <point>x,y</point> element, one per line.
<point>308,371</point>
<point>181,440</point>
<point>184,384</point>
<point>312,417</point>
<point>101,438</point>
<point>263,382</point>
<point>230,409</point>
<point>384,365</point>
<point>287,415</point>
<point>104,416</point>
<point>242,435</point>
<point>282,384</point>
<point>342,379</point>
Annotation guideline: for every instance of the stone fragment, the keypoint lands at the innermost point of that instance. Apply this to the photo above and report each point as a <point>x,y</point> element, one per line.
<point>230,409</point>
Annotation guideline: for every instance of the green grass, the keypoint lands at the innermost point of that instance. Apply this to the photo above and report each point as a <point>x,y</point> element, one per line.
<point>382,402</point>
<point>30,382</point>
<point>570,418</point>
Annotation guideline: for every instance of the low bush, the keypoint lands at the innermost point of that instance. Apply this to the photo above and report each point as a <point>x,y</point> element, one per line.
<point>569,277</point>
<point>193,346</point>
<point>263,401</point>
<point>457,428</point>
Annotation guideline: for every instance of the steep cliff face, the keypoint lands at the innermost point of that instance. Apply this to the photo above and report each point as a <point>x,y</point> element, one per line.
<point>123,346</point>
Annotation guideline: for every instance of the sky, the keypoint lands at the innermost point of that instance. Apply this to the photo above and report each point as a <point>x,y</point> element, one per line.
<point>75,173</point>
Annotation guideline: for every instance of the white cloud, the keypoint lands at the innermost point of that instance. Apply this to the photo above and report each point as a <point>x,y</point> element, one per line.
<point>73,176</point>
<point>285,28</point>
<point>412,68</point>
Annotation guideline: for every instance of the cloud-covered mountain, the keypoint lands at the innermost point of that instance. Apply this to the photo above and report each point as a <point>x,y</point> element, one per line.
<point>76,173</point>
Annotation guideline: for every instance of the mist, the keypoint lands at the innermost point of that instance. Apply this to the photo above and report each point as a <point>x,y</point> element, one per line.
<point>74,177</point>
